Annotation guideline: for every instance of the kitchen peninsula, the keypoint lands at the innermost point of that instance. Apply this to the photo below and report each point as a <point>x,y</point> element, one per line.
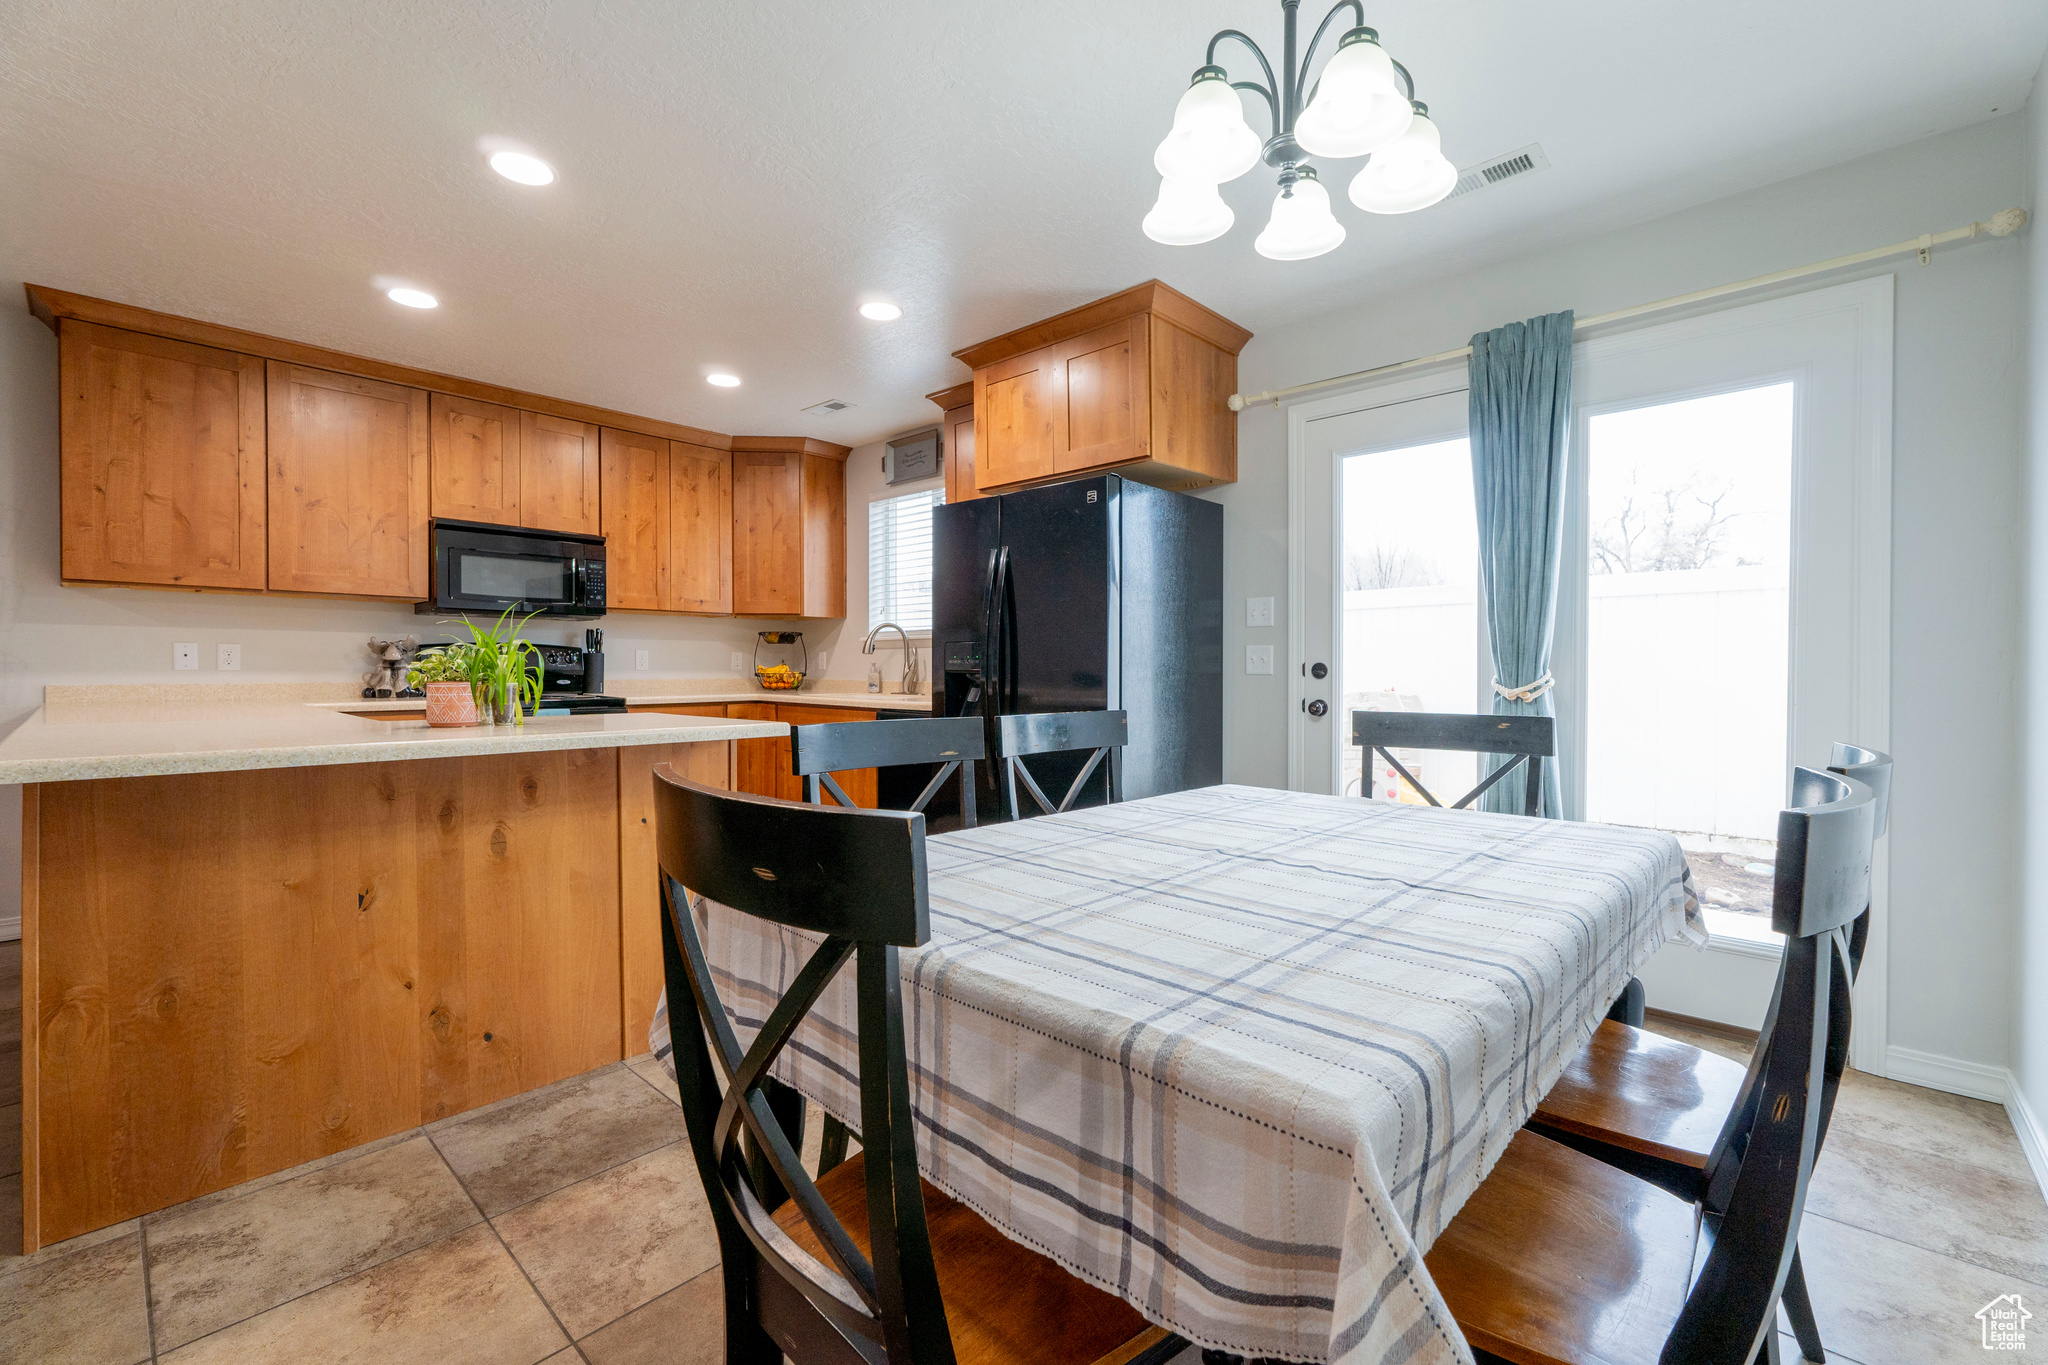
<point>258,930</point>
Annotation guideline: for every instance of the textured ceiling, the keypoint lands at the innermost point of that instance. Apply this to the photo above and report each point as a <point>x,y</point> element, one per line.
<point>734,179</point>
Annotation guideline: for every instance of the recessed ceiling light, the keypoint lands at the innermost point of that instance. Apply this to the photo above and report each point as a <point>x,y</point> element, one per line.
<point>523,168</point>
<point>880,312</point>
<point>412,298</point>
<point>723,380</point>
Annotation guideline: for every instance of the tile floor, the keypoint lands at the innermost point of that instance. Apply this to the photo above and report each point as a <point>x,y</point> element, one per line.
<point>568,1226</point>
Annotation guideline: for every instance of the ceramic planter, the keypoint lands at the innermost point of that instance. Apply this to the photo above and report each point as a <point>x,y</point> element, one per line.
<point>450,703</point>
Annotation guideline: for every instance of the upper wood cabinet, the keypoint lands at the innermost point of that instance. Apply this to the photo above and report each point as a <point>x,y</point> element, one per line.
<point>348,484</point>
<point>162,461</point>
<point>700,528</point>
<point>956,441</point>
<point>1138,382</point>
<point>475,457</point>
<point>558,474</point>
<point>788,527</point>
<point>667,525</point>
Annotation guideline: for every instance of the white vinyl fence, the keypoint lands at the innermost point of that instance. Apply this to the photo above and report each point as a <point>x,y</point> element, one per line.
<point>1686,707</point>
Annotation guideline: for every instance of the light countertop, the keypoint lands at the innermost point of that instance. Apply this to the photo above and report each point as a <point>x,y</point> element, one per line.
<point>915,702</point>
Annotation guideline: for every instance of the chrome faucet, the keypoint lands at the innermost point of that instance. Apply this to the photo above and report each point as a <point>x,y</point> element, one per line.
<point>910,674</point>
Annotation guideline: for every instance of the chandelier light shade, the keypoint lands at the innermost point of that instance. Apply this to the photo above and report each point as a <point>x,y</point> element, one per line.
<point>1358,106</point>
<point>1188,213</point>
<point>1362,103</point>
<point>1412,174</point>
<point>1210,140</point>
<point>1302,224</point>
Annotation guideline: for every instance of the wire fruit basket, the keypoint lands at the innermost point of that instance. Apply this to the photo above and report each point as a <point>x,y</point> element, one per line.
<point>780,675</point>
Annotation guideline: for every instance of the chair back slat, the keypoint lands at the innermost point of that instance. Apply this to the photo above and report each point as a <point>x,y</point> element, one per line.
<point>1873,770</point>
<point>1099,733</point>
<point>1526,740</point>
<point>1822,880</point>
<point>955,743</point>
<point>857,877</point>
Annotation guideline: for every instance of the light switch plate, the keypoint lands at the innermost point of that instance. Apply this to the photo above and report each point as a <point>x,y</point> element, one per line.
<point>228,658</point>
<point>640,660</point>
<point>1258,658</point>
<point>185,656</point>
<point>1258,611</point>
<point>739,662</point>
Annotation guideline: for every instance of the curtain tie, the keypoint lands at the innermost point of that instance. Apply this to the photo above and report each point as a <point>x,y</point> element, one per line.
<point>1528,691</point>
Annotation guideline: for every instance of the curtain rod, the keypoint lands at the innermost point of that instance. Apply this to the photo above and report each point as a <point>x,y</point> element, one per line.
<point>2003,224</point>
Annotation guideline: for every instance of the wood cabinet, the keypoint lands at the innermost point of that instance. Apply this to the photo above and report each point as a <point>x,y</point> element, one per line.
<point>511,467</point>
<point>763,766</point>
<point>348,484</point>
<point>1138,382</point>
<point>162,461</point>
<point>667,525</point>
<point>957,440</point>
<point>788,527</point>
<point>558,474</point>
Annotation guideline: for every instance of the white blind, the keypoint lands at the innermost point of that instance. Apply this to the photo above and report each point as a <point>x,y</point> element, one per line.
<point>900,559</point>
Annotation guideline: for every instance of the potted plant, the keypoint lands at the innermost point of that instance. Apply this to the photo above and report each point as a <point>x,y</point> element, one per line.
<point>444,676</point>
<point>505,668</point>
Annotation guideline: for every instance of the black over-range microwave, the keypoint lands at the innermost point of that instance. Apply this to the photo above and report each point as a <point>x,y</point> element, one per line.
<point>481,568</point>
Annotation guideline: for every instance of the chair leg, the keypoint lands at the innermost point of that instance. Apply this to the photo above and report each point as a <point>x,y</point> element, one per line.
<point>1628,1006</point>
<point>832,1146</point>
<point>1799,1308</point>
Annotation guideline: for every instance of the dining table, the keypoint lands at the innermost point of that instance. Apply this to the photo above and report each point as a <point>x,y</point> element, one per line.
<point>1239,1055</point>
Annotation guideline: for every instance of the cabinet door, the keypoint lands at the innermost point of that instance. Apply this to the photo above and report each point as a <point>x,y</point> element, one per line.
<point>1105,397</point>
<point>475,458</point>
<point>700,528</point>
<point>767,533</point>
<point>161,447</point>
<point>636,520</point>
<point>1015,403</point>
<point>824,537</point>
<point>558,474</point>
<point>959,425</point>
<point>760,767</point>
<point>348,485</point>
<point>862,784</point>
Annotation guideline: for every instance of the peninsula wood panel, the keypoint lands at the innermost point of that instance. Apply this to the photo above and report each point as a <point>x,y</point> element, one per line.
<point>474,450</point>
<point>162,461</point>
<point>640,965</point>
<point>215,991</point>
<point>700,530</point>
<point>636,496</point>
<point>767,533</point>
<point>558,474</point>
<point>348,485</point>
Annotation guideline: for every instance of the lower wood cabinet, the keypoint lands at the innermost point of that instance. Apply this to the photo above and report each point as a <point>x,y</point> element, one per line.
<point>348,484</point>
<point>162,461</point>
<point>764,766</point>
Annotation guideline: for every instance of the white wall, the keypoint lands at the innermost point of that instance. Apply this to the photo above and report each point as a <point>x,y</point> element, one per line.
<point>1957,486</point>
<point>2030,960</point>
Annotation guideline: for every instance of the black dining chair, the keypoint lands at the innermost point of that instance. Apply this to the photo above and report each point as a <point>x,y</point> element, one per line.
<point>1097,733</point>
<point>1658,1107</point>
<point>869,1264</point>
<point>1562,1258</point>
<point>953,743</point>
<point>1525,740</point>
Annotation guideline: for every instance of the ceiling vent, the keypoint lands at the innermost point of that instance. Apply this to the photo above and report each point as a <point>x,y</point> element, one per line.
<point>828,407</point>
<point>1487,174</point>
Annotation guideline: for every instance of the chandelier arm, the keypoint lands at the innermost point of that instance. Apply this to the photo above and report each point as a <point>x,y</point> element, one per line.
<point>1273,105</point>
<point>1264,65</point>
<point>1406,77</point>
<point>1357,9</point>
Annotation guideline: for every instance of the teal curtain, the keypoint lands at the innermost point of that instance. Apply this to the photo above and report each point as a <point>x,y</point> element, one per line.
<point>1521,404</point>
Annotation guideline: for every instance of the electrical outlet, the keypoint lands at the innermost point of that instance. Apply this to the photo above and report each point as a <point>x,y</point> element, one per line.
<point>824,659</point>
<point>228,658</point>
<point>184,656</point>
<point>1258,658</point>
<point>739,662</point>
<point>640,660</point>
<point>1258,611</point>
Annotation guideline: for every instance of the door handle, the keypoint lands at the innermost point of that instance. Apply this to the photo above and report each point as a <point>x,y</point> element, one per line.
<point>1319,708</point>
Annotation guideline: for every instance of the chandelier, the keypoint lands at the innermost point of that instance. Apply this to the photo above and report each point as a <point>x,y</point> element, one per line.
<point>1363,104</point>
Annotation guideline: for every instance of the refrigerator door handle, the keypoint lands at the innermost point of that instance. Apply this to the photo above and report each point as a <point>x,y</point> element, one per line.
<point>994,662</point>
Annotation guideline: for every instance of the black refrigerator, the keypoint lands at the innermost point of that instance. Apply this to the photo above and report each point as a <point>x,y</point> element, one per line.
<point>1095,595</point>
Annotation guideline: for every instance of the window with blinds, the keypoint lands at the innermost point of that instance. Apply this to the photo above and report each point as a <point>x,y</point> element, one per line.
<point>900,559</point>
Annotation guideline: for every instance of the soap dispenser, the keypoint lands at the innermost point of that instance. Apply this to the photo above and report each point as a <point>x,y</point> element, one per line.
<point>875,676</point>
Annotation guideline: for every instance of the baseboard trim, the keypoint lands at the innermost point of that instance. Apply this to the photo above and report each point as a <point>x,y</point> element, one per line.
<point>2033,1138</point>
<point>1978,1081</point>
<point>10,929</point>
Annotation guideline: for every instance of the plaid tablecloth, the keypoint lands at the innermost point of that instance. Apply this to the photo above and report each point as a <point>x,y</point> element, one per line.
<point>1238,1055</point>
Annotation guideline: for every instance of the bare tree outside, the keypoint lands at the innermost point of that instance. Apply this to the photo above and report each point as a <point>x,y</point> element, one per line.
<point>1680,525</point>
<point>1384,566</point>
